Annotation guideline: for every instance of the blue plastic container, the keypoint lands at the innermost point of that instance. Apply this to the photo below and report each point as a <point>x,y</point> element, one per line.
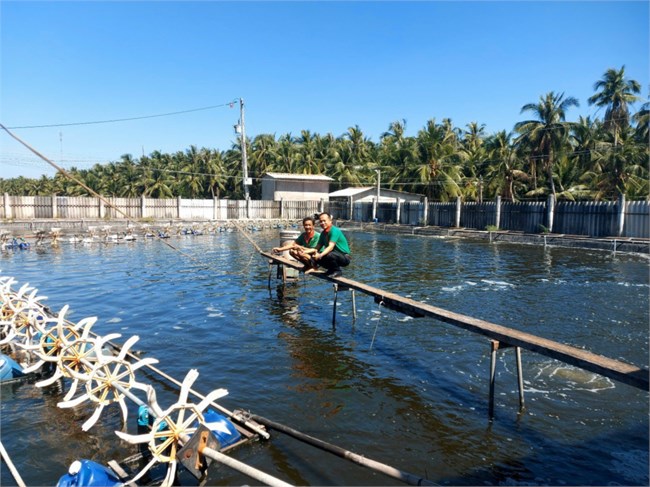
<point>9,369</point>
<point>222,428</point>
<point>86,473</point>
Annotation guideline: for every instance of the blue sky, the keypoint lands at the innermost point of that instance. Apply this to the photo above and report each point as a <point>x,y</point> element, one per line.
<point>317,66</point>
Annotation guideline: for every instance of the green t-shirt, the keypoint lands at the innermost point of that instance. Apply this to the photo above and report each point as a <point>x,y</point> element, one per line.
<point>302,240</point>
<point>334,235</point>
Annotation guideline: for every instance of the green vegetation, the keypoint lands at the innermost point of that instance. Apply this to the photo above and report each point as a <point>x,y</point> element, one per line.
<point>588,159</point>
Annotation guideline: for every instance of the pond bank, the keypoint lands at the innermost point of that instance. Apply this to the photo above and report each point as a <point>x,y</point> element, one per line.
<point>624,244</point>
<point>29,228</point>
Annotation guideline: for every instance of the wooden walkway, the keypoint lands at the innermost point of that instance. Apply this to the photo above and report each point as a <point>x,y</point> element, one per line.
<point>613,369</point>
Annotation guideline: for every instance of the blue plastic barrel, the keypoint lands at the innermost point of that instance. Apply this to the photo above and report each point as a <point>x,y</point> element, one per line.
<point>86,473</point>
<point>9,369</point>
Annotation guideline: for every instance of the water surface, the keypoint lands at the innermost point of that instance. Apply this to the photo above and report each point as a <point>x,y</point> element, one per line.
<point>411,393</point>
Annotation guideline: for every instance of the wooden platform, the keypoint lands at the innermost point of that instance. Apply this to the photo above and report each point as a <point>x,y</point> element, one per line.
<point>613,369</point>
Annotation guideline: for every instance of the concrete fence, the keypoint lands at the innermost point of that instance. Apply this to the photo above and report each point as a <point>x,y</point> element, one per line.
<point>590,218</point>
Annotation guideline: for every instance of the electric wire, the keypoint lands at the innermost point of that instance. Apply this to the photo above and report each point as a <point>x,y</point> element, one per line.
<point>128,119</point>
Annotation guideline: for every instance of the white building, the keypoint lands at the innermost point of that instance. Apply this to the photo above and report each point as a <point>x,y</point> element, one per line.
<point>295,187</point>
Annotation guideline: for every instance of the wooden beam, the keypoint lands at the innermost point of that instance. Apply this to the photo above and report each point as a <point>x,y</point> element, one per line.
<point>613,369</point>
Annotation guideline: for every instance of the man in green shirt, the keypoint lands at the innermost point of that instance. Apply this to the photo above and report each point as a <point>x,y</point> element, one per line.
<point>333,249</point>
<point>301,248</point>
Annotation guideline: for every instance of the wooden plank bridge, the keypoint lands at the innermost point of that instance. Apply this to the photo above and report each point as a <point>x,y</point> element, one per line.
<point>501,336</point>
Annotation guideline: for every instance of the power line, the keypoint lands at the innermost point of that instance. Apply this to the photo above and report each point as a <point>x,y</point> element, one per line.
<point>229,104</point>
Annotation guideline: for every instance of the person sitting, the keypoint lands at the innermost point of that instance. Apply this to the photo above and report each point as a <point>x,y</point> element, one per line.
<point>333,248</point>
<point>304,246</point>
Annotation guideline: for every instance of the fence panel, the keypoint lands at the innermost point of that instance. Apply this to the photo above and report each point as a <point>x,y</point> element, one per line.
<point>412,213</point>
<point>478,215</point>
<point>236,210</point>
<point>442,214</point>
<point>297,210</point>
<point>264,209</point>
<point>196,209</point>
<point>362,212</point>
<point>160,208</point>
<point>595,219</point>
<point>526,217</point>
<point>30,206</point>
<point>387,212</point>
<point>637,219</point>
<point>337,209</point>
<point>77,207</point>
<point>131,207</point>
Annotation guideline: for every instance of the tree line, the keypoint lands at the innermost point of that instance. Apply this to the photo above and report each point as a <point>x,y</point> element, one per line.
<point>597,159</point>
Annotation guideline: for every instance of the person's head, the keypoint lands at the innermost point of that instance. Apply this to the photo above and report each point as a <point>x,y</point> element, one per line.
<point>325,220</point>
<point>308,224</point>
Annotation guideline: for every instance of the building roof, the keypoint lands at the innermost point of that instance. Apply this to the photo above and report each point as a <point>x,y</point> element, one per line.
<point>304,177</point>
<point>349,191</point>
<point>356,191</point>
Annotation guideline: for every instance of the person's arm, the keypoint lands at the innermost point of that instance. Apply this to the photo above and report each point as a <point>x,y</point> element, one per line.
<point>325,251</point>
<point>289,246</point>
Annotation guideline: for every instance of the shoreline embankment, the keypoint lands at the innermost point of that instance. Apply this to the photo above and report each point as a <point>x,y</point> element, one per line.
<point>33,228</point>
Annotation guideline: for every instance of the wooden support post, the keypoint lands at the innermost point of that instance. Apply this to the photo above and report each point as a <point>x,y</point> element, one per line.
<point>336,294</point>
<point>354,305</point>
<point>398,212</point>
<point>7,206</point>
<point>550,212</point>
<point>494,346</point>
<point>425,218</point>
<point>520,378</point>
<point>497,216</point>
<point>621,216</point>
<point>459,204</point>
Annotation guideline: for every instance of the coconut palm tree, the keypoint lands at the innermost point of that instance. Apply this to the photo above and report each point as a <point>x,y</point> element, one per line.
<point>398,155</point>
<point>621,167</point>
<point>158,180</point>
<point>616,93</point>
<point>504,174</point>
<point>307,162</point>
<point>438,162</point>
<point>546,137</point>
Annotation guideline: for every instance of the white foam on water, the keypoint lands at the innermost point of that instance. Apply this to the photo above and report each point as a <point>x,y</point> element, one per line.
<point>497,283</point>
<point>114,320</point>
<point>215,315</point>
<point>405,318</point>
<point>452,289</point>
<point>176,327</point>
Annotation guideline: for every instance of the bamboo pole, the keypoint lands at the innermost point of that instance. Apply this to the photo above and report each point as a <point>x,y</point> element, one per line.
<point>12,468</point>
<point>405,477</point>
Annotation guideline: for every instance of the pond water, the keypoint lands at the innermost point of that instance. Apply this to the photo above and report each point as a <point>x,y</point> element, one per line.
<point>411,393</point>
